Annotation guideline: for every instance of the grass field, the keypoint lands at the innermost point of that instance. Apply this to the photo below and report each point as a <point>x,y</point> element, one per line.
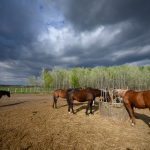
<point>25,90</point>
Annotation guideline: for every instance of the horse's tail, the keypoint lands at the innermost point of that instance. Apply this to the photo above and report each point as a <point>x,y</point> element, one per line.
<point>67,96</point>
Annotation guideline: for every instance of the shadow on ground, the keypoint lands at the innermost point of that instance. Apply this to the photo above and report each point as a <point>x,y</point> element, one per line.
<point>143,117</point>
<point>13,104</point>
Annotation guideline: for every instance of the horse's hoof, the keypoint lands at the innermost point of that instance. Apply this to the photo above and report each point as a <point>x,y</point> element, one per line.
<point>132,124</point>
<point>92,114</point>
<point>69,112</point>
<point>74,113</point>
<point>130,121</point>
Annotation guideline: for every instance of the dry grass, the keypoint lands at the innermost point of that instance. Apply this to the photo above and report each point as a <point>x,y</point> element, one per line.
<point>30,122</point>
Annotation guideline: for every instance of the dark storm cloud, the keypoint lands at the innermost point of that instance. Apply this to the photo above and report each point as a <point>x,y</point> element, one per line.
<point>130,17</point>
<point>48,33</point>
<point>86,15</point>
<point>20,25</point>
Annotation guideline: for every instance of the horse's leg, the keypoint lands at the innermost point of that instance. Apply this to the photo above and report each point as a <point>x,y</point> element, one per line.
<point>72,107</point>
<point>55,97</point>
<point>93,102</point>
<point>56,103</point>
<point>69,108</point>
<point>130,109</point>
<point>87,108</point>
<point>91,108</point>
<point>53,100</point>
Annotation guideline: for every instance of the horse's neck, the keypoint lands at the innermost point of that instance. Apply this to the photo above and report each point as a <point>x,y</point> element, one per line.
<point>4,93</point>
<point>97,93</point>
<point>120,93</point>
<point>123,93</point>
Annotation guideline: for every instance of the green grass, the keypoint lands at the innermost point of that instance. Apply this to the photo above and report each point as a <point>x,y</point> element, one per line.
<point>19,90</point>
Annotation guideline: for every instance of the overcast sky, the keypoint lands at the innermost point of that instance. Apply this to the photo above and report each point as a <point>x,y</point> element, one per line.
<point>67,33</point>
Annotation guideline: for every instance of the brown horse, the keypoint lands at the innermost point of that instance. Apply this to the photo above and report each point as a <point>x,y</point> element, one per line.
<point>98,93</point>
<point>136,99</point>
<point>4,93</point>
<point>80,96</point>
<point>60,93</point>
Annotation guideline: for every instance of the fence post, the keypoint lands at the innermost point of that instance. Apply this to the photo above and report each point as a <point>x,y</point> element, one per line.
<point>23,90</point>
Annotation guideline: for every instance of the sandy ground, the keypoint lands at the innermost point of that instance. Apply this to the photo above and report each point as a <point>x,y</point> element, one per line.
<point>29,122</point>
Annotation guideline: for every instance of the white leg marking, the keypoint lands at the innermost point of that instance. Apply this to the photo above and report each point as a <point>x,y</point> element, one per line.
<point>132,124</point>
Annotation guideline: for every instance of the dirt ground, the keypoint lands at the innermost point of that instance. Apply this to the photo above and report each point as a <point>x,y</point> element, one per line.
<point>29,122</point>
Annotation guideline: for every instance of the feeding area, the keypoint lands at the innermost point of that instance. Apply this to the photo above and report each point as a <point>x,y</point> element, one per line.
<point>115,110</point>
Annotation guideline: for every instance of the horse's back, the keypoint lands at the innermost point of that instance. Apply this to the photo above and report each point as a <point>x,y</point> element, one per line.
<point>63,93</point>
<point>60,93</point>
<point>146,95</point>
<point>137,99</point>
<point>83,95</point>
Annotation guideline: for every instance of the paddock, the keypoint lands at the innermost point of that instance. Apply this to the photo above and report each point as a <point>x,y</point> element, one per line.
<point>28,121</point>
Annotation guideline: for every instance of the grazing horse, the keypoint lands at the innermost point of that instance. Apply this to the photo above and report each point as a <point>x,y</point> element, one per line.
<point>80,96</point>
<point>98,93</point>
<point>118,93</point>
<point>4,93</point>
<point>60,93</point>
<point>136,99</point>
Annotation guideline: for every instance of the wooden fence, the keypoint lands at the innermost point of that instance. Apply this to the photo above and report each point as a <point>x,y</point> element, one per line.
<point>26,90</point>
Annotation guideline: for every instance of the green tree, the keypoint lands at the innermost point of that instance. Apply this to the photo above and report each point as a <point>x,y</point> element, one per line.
<point>31,81</point>
<point>48,80</point>
<point>74,81</point>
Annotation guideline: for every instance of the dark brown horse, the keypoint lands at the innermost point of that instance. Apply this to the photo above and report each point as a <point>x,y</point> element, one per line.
<point>4,93</point>
<point>98,93</point>
<point>80,96</point>
<point>136,99</point>
<point>60,93</point>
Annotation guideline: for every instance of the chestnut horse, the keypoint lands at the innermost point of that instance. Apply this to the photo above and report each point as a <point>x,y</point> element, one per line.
<point>136,99</point>
<point>60,93</point>
<point>80,96</point>
<point>98,93</point>
<point>118,93</point>
<point>4,93</point>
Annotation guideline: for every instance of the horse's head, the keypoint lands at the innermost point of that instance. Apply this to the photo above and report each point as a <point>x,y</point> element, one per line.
<point>115,94</point>
<point>8,94</point>
<point>108,97</point>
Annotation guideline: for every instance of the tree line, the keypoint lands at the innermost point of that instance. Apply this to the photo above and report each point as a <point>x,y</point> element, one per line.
<point>125,76</point>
